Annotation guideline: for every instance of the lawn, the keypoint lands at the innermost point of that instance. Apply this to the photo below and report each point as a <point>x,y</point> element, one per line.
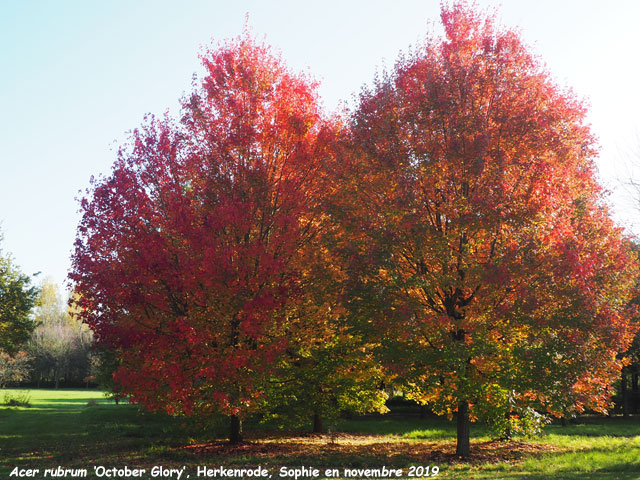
<point>80,429</point>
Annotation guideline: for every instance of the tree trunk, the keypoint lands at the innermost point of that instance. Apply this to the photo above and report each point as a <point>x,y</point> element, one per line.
<point>508,434</point>
<point>463,448</point>
<point>624,393</point>
<point>634,391</point>
<point>423,412</point>
<point>317,423</point>
<point>235,429</point>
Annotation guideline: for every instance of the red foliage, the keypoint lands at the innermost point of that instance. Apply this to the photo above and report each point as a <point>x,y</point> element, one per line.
<point>187,259</point>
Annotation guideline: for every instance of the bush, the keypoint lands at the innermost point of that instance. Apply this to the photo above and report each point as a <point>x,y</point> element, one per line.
<point>17,399</point>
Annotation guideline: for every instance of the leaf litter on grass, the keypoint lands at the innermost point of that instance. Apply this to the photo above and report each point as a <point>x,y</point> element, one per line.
<point>364,447</point>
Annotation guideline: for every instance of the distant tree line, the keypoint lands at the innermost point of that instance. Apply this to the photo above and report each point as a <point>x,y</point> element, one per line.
<point>46,345</point>
<point>60,345</point>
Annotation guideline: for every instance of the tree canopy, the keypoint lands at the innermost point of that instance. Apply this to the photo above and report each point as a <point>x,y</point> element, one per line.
<point>448,235</point>
<point>192,257</point>
<point>484,257</point>
<point>17,299</point>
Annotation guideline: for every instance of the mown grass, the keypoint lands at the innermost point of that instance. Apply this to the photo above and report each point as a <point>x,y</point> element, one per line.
<point>61,428</point>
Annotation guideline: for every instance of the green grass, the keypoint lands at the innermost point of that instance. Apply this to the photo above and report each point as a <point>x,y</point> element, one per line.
<point>60,428</point>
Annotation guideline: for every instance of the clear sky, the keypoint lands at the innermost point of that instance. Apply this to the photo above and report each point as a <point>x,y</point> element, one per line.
<point>76,76</point>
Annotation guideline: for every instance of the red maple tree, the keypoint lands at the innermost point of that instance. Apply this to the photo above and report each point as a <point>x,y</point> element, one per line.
<point>481,252</point>
<point>189,256</point>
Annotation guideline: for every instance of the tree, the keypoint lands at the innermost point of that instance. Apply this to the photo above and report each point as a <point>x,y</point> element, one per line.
<point>189,256</point>
<point>17,298</point>
<point>104,363</point>
<point>481,251</point>
<point>13,369</point>
<point>327,371</point>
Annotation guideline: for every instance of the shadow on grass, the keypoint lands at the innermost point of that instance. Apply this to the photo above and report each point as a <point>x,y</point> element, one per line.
<point>431,428</point>
<point>598,427</point>
<point>67,431</point>
<point>77,435</point>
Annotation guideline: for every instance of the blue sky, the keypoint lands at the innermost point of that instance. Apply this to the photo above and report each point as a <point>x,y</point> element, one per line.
<point>77,75</point>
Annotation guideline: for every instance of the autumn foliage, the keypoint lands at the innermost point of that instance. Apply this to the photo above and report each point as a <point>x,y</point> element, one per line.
<point>256,253</point>
<point>491,271</point>
<point>190,256</point>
